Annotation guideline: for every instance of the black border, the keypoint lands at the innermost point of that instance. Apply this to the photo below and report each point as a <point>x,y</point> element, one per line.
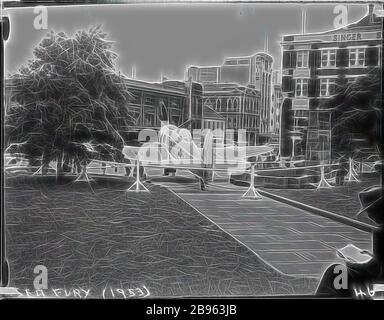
<point>246,304</point>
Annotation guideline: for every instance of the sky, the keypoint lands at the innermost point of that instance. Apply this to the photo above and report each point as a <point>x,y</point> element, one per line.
<point>163,39</point>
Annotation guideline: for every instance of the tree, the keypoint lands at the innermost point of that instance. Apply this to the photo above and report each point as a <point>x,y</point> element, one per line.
<point>69,102</point>
<point>357,115</point>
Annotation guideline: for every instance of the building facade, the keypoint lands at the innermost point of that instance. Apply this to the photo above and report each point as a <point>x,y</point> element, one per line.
<point>212,120</point>
<point>313,66</point>
<point>275,112</point>
<point>254,72</point>
<point>204,74</point>
<point>193,102</point>
<point>238,105</point>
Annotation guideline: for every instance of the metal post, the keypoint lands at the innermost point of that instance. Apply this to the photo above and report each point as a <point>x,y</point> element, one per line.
<point>190,104</point>
<point>252,193</point>
<point>131,172</point>
<point>352,174</point>
<point>138,186</point>
<point>137,174</point>
<point>213,164</point>
<point>83,176</point>
<point>323,183</point>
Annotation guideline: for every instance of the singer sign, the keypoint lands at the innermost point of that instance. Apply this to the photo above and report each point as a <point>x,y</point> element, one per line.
<point>347,37</point>
<point>339,37</point>
<point>356,36</point>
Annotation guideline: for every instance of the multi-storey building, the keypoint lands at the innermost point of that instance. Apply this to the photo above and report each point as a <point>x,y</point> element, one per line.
<point>212,120</point>
<point>204,74</point>
<point>276,76</point>
<point>238,105</point>
<point>277,99</point>
<point>254,72</point>
<point>313,65</point>
<point>193,102</point>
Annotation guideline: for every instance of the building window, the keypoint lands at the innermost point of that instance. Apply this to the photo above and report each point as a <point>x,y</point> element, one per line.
<point>230,62</point>
<point>327,87</point>
<point>302,59</point>
<point>229,104</point>
<point>356,57</point>
<point>301,114</point>
<point>135,97</point>
<point>328,58</point>
<point>218,105</point>
<point>235,104</point>
<point>149,101</point>
<point>149,120</point>
<point>301,87</point>
<point>243,61</point>
<point>176,120</point>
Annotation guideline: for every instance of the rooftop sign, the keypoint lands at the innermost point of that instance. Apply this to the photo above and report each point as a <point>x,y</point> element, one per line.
<point>340,36</point>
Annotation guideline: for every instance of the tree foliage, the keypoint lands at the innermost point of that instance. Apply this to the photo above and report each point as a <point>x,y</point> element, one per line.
<point>69,101</point>
<point>357,115</point>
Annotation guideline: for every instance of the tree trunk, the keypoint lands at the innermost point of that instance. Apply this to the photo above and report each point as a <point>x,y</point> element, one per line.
<point>45,164</point>
<point>77,167</point>
<point>67,165</point>
<point>73,166</point>
<point>59,167</point>
<point>127,171</point>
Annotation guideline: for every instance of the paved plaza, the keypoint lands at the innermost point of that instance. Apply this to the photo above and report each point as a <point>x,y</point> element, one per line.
<point>291,240</point>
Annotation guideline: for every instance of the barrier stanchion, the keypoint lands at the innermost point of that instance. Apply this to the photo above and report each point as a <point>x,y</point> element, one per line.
<point>131,171</point>
<point>138,186</point>
<point>83,177</point>
<point>323,183</point>
<point>213,172</point>
<point>38,171</point>
<point>252,193</point>
<point>352,174</point>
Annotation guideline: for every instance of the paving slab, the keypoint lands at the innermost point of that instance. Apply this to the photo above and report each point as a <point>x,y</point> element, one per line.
<point>291,240</point>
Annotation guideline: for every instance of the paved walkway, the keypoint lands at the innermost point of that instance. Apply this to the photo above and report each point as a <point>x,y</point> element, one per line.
<point>291,240</point>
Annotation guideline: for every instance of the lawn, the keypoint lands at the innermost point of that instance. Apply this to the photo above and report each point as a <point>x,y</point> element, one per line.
<point>341,200</point>
<point>100,237</point>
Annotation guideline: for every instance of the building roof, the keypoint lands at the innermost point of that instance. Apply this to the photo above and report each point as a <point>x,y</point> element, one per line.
<point>176,88</point>
<point>258,54</point>
<point>203,67</point>
<point>370,20</point>
<point>261,54</point>
<point>229,88</point>
<point>158,87</point>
